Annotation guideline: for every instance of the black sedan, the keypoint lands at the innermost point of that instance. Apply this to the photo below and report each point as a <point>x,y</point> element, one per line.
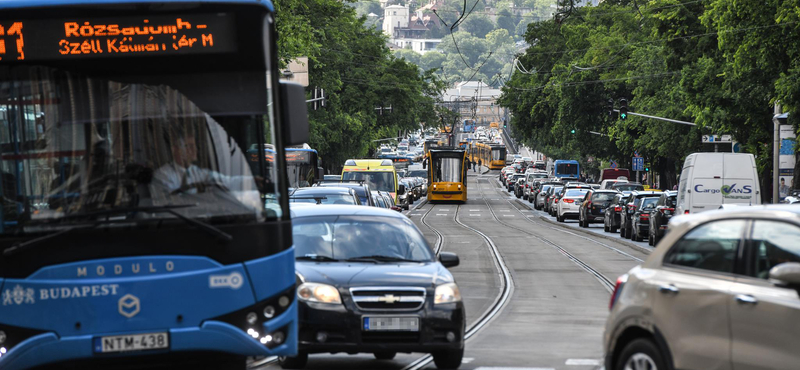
<point>659,217</point>
<point>594,205</point>
<point>370,283</point>
<point>612,213</point>
<point>640,220</point>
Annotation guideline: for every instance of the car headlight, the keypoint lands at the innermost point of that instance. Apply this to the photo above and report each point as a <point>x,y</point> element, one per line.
<point>321,293</point>
<point>447,293</point>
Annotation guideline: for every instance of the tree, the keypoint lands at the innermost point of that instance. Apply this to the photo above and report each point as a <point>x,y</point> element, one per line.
<point>477,24</point>
<point>505,20</point>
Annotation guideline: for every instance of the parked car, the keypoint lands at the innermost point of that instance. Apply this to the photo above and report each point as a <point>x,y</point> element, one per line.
<point>719,292</point>
<point>570,203</point>
<point>629,209</point>
<point>594,205</point>
<point>660,216</point>
<point>613,213</point>
<point>348,261</point>
<point>640,220</point>
<point>709,180</point>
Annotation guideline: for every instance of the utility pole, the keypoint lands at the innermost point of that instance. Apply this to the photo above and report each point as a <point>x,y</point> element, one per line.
<point>776,147</point>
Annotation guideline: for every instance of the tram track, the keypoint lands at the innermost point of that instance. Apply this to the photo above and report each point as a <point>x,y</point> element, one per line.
<point>503,297</point>
<point>607,283</point>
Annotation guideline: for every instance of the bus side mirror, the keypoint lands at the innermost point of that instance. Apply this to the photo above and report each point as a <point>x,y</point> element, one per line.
<point>294,112</point>
<point>401,189</point>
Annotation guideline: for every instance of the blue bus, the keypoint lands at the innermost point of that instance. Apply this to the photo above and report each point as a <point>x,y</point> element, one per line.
<point>469,125</point>
<point>302,164</point>
<point>133,230</point>
<point>566,168</point>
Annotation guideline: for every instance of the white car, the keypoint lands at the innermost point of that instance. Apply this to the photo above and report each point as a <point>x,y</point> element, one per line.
<point>570,204</point>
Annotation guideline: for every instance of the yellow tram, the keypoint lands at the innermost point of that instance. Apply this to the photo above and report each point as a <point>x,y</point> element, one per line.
<point>487,154</point>
<point>447,175</point>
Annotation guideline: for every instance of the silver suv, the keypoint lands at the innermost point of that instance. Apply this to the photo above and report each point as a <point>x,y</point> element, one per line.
<point>719,292</point>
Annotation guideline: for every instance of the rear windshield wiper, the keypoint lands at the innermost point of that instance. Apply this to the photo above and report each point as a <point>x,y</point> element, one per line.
<point>316,257</point>
<point>379,258</point>
<point>217,233</point>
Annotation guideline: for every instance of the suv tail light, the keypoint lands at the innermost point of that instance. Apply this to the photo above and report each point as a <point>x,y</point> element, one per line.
<point>569,200</point>
<point>617,290</point>
<point>686,212</point>
<point>617,209</point>
<point>644,216</point>
<point>666,211</point>
<point>555,200</point>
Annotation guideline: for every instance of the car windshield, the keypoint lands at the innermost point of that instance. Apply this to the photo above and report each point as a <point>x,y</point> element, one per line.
<point>628,187</point>
<point>349,237</point>
<point>74,144</point>
<point>672,201</point>
<point>576,192</point>
<point>377,180</point>
<point>648,202</point>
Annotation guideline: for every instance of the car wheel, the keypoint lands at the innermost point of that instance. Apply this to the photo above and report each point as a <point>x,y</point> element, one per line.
<point>640,354</point>
<point>622,232</point>
<point>656,238</point>
<point>385,355</point>
<point>605,226</point>
<point>559,217</point>
<point>649,238</point>
<point>448,359</point>
<point>296,362</point>
<point>632,234</point>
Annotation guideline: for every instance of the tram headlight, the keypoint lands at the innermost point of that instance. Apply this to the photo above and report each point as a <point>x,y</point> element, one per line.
<point>320,293</point>
<point>447,293</point>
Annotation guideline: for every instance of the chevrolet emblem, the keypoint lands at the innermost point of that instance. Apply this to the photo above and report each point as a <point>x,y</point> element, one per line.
<point>389,299</point>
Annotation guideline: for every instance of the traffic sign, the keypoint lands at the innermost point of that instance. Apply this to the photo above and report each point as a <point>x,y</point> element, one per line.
<point>638,163</point>
<point>613,164</point>
<point>720,139</point>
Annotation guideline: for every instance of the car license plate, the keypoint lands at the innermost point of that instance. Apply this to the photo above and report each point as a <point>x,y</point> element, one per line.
<point>131,342</point>
<point>387,323</point>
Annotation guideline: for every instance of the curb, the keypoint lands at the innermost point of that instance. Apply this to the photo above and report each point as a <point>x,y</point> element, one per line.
<point>589,233</point>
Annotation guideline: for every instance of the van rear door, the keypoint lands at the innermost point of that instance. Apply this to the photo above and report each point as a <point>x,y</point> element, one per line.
<point>707,182</point>
<point>739,184</point>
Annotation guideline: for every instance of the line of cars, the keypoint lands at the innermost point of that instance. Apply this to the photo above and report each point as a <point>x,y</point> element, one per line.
<point>367,280</point>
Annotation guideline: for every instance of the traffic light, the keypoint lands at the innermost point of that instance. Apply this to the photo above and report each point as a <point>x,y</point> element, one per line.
<point>573,131</point>
<point>610,107</point>
<point>623,108</point>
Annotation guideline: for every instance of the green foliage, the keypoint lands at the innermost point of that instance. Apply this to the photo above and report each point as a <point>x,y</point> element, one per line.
<point>720,64</point>
<point>351,62</point>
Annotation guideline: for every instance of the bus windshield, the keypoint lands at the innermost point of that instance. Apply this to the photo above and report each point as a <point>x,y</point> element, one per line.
<point>377,180</point>
<point>73,144</point>
<point>498,154</point>
<point>567,169</point>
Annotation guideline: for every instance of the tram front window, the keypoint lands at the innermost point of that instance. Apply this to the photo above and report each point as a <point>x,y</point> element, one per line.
<point>448,170</point>
<point>73,145</point>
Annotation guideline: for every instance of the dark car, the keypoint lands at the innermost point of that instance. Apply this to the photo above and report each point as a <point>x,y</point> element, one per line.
<point>405,199</point>
<point>370,283</point>
<point>519,187</point>
<point>640,220</point>
<point>362,189</point>
<point>625,226</point>
<point>380,202</point>
<point>325,195</point>
<point>512,180</point>
<point>612,213</point>
<point>659,217</point>
<point>548,198</point>
<point>330,178</point>
<point>627,186</point>
<point>594,205</point>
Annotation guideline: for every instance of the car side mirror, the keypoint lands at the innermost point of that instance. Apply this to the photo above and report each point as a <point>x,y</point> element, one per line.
<point>294,113</point>
<point>401,189</point>
<point>449,259</point>
<point>787,273</point>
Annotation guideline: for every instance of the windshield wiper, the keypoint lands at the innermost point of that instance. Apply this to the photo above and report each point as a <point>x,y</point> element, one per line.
<point>316,257</point>
<point>379,258</point>
<point>16,248</point>
<point>217,233</point>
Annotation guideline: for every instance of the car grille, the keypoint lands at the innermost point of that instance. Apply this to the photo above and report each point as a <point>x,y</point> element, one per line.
<point>388,298</point>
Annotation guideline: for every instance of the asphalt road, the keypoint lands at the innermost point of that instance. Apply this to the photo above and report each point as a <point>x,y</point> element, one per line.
<point>555,316</point>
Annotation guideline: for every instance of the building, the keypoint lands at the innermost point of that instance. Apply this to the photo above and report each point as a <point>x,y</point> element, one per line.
<point>407,30</point>
<point>394,17</point>
<point>475,99</point>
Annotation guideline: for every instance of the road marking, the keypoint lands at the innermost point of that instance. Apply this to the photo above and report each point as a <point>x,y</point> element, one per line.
<point>474,210</point>
<point>442,214</point>
<point>475,215</point>
<point>583,361</point>
<point>467,360</point>
<point>504,210</point>
<point>445,210</point>
<point>508,215</point>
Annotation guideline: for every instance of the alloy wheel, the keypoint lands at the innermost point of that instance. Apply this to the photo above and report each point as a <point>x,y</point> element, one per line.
<point>640,361</point>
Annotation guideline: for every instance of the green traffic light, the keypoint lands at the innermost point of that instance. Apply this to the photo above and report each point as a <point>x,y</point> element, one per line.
<point>623,115</point>
<point>573,131</point>
<point>647,169</point>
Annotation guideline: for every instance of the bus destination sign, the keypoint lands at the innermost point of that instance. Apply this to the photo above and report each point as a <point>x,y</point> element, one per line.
<point>116,37</point>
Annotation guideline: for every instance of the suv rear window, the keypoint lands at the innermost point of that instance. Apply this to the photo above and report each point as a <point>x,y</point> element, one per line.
<point>603,197</point>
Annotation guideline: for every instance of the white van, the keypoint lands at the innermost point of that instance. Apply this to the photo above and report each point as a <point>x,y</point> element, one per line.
<point>709,180</point>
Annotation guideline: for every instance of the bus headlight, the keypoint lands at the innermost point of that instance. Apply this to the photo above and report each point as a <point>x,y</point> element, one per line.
<point>321,293</point>
<point>447,293</point>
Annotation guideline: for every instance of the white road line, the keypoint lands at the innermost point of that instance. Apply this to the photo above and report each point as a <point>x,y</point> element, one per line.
<point>475,215</point>
<point>503,210</point>
<point>583,361</point>
<point>441,214</point>
<point>508,215</point>
<point>445,210</point>
<point>467,360</point>
<point>474,210</point>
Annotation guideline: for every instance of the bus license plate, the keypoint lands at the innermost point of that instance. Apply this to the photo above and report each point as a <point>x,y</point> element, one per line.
<point>131,342</point>
<point>384,323</point>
